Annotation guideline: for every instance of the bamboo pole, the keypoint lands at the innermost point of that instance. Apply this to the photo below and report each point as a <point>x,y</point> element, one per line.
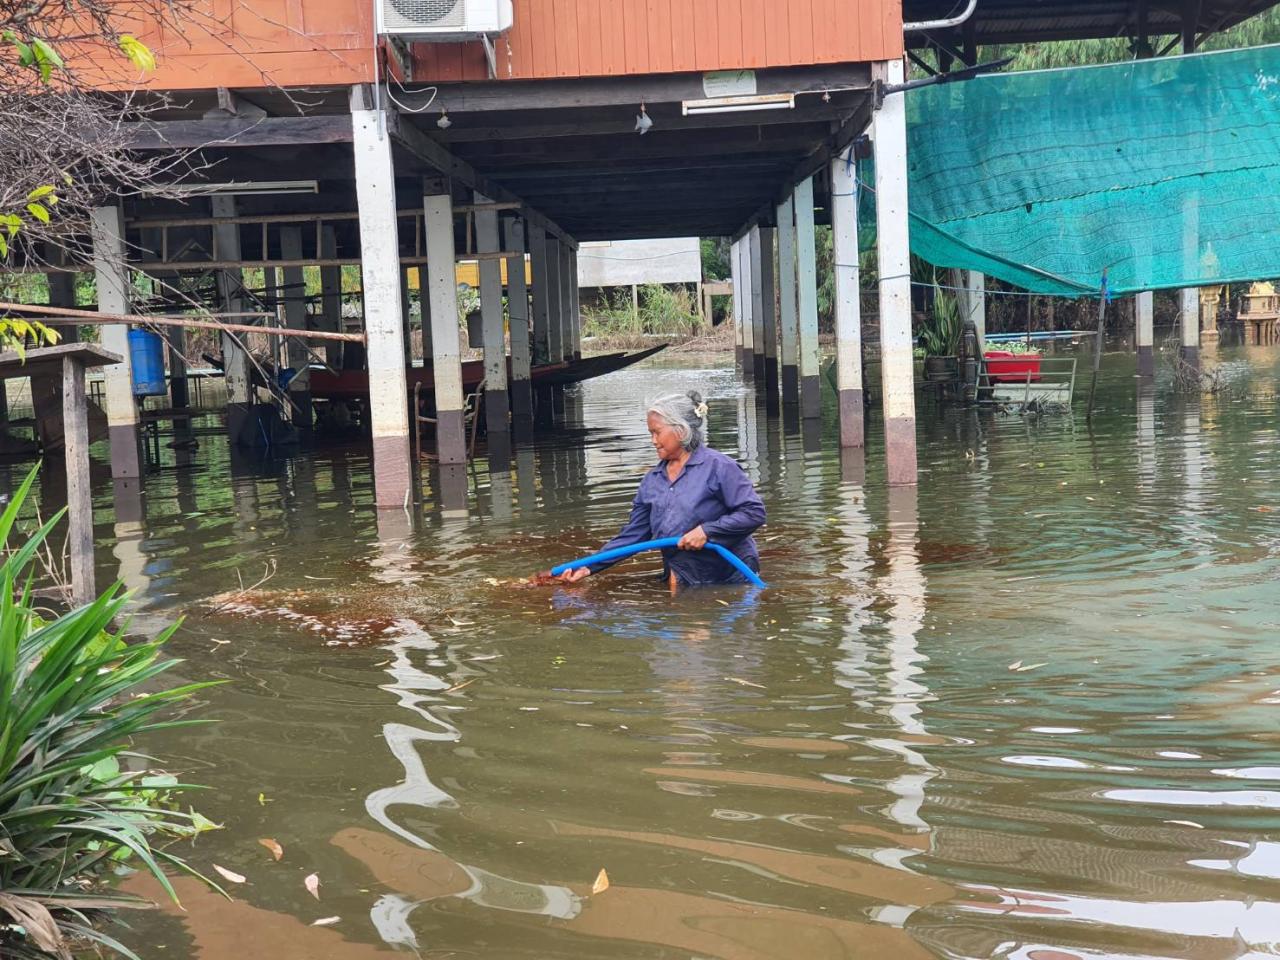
<point>64,316</point>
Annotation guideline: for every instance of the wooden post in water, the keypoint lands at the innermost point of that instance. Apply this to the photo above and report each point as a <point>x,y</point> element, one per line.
<point>1097,345</point>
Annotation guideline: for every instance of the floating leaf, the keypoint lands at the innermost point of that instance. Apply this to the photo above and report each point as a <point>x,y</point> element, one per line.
<point>228,875</point>
<point>325,921</point>
<point>746,683</point>
<point>601,884</point>
<point>1031,666</point>
<point>312,883</point>
<point>1016,665</point>
<point>277,851</point>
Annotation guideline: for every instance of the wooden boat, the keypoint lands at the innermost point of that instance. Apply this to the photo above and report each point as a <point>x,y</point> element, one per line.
<point>354,384</point>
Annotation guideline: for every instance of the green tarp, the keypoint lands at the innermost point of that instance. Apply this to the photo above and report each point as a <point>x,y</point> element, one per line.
<point>1165,172</point>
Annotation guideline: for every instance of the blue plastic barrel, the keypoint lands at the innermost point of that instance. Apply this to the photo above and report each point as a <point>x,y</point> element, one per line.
<point>146,353</point>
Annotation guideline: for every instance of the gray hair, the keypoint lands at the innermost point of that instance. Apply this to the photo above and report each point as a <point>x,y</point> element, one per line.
<point>686,413</point>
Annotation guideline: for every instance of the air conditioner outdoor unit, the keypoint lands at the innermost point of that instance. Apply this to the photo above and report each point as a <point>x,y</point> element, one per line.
<point>429,20</point>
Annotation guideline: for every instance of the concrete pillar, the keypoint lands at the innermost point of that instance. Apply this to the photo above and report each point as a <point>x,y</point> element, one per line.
<point>1144,322</point>
<point>540,303</point>
<point>330,296</point>
<point>788,309</point>
<point>442,289</point>
<point>383,313</point>
<point>575,305</point>
<point>295,318</point>
<point>113,297</point>
<point>555,302</point>
<point>1189,297</point>
<point>747,287</point>
<point>848,306</point>
<point>897,375</point>
<point>518,322</point>
<point>568,284</point>
<point>975,302</point>
<point>756,269</point>
<point>807,278</point>
<point>769,315</point>
<point>1189,325</point>
<point>735,280</point>
<point>496,401</point>
<point>235,362</point>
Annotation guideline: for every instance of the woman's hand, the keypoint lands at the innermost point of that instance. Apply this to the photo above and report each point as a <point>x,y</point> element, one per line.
<point>573,576</point>
<point>695,539</point>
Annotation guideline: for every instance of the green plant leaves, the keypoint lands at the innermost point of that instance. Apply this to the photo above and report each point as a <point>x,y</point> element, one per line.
<point>139,53</point>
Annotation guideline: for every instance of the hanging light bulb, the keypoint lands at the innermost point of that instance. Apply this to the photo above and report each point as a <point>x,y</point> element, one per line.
<point>444,123</point>
<point>643,121</point>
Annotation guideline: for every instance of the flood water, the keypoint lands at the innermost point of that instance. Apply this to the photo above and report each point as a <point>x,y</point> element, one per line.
<point>1028,710</point>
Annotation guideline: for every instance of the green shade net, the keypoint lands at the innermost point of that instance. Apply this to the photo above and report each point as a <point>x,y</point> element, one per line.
<point>1164,172</point>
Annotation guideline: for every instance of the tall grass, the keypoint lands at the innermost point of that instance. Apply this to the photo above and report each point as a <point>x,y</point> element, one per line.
<point>662,311</point>
<point>73,696</point>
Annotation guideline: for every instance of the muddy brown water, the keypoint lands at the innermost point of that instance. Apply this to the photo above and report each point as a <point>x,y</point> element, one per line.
<point>1028,710</point>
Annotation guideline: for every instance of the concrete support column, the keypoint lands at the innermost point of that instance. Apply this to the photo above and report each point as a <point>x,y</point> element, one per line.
<point>769,316</point>
<point>568,297</point>
<point>540,303</point>
<point>383,312</point>
<point>555,302</point>
<point>518,322</point>
<point>496,401</point>
<point>894,253</point>
<point>807,278</point>
<point>235,362</point>
<point>747,286</point>
<point>735,280</point>
<point>975,302</point>
<point>330,296</point>
<point>113,297</point>
<point>757,303</point>
<point>848,306</point>
<point>575,303</point>
<point>295,318</point>
<point>788,309</point>
<point>1189,325</point>
<point>1144,321</point>
<point>442,290</point>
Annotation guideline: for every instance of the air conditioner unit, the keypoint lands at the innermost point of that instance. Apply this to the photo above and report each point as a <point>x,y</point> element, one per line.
<point>441,20</point>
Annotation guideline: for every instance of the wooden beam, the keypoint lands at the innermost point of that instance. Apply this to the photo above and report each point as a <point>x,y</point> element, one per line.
<point>458,98</point>
<point>65,316</point>
<point>237,132</point>
<point>438,158</point>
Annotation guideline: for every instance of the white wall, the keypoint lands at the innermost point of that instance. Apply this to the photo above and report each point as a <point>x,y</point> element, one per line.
<point>621,263</point>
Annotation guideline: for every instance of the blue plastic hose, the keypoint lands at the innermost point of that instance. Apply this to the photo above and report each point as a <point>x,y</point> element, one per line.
<point>617,553</point>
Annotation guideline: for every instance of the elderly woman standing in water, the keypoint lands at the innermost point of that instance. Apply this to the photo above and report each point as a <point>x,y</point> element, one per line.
<point>694,493</point>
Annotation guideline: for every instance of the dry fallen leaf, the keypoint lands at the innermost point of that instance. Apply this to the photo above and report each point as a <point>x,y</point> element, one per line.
<point>601,884</point>
<point>1031,666</point>
<point>1016,665</point>
<point>228,875</point>
<point>325,921</point>
<point>464,683</point>
<point>746,683</point>
<point>277,851</point>
<point>312,883</point>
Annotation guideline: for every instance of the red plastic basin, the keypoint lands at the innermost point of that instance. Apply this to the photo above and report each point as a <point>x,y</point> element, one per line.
<point>1006,367</point>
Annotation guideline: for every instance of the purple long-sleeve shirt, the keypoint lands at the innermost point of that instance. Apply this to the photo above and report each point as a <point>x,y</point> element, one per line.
<point>711,490</point>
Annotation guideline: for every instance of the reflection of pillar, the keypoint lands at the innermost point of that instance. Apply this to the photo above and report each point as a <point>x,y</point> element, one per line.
<point>392,562</point>
<point>113,297</point>
<point>383,319</point>
<point>853,666</point>
<point>1146,425</point>
<point>756,254</point>
<point>807,273</point>
<point>295,318</point>
<point>903,588</point>
<point>844,231</point>
<point>897,372</point>
<point>1144,322</point>
<point>788,313</point>
<point>497,404</point>
<point>442,289</point>
<point>518,321</point>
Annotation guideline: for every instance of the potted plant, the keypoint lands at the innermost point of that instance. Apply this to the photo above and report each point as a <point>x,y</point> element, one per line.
<point>940,337</point>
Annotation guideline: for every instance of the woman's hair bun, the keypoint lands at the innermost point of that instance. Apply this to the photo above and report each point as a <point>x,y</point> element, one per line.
<point>694,396</point>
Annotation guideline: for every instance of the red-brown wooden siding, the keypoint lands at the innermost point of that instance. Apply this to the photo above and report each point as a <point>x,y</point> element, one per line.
<point>330,42</point>
<point>588,38</point>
